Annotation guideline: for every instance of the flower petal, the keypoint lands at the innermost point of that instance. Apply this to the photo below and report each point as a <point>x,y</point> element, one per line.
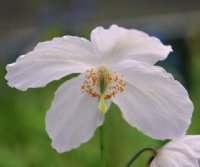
<point>73,116</point>
<point>153,101</point>
<point>117,43</point>
<point>174,155</point>
<point>193,142</point>
<point>50,61</point>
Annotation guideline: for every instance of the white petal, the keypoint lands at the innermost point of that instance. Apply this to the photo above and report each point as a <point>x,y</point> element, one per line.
<point>174,155</point>
<point>153,101</point>
<point>192,141</point>
<point>73,116</point>
<point>50,61</point>
<point>117,43</point>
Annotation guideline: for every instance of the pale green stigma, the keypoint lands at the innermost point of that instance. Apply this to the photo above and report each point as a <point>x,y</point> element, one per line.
<point>102,104</point>
<point>102,85</point>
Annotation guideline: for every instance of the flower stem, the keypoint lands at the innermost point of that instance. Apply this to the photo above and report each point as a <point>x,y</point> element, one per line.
<point>102,162</point>
<point>132,160</point>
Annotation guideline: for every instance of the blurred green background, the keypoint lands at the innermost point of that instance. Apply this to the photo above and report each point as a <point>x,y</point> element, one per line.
<point>23,140</point>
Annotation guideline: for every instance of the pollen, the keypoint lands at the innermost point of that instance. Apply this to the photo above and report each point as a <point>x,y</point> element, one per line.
<point>102,83</point>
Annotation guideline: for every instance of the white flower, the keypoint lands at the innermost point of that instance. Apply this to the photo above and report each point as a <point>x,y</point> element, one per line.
<point>116,65</point>
<point>181,152</point>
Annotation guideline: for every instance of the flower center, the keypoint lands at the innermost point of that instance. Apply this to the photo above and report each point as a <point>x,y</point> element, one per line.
<point>102,84</point>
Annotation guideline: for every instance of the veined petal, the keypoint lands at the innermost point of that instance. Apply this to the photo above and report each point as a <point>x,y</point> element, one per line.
<point>117,43</point>
<point>73,116</point>
<point>180,152</point>
<point>50,61</point>
<point>193,142</point>
<point>175,156</point>
<point>153,101</point>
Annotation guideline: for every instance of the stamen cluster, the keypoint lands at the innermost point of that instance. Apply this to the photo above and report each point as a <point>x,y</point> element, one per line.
<point>101,81</point>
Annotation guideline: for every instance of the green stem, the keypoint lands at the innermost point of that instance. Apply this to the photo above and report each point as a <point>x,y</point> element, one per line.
<point>132,160</point>
<point>102,162</point>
